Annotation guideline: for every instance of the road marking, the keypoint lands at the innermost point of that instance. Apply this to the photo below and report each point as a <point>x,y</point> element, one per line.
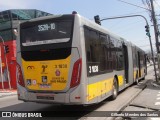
<point>158,98</point>
<point>158,94</point>
<point>155,118</point>
<point>157,103</point>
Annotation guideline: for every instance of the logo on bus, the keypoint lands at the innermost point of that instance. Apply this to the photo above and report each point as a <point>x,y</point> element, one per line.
<point>44,79</point>
<point>34,82</point>
<point>30,68</point>
<point>28,82</point>
<point>44,68</point>
<point>57,73</point>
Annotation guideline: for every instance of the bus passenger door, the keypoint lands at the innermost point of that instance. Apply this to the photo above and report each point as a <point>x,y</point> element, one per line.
<point>125,52</point>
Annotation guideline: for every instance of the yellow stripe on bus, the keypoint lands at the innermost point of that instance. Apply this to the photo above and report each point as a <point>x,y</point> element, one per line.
<point>142,72</point>
<point>101,87</point>
<point>135,72</point>
<point>120,80</point>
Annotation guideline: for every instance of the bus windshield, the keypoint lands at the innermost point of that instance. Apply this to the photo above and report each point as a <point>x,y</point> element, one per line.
<point>47,32</point>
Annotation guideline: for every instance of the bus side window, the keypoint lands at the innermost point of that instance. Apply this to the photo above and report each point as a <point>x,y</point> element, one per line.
<point>102,57</point>
<point>95,44</point>
<point>120,57</point>
<point>87,44</point>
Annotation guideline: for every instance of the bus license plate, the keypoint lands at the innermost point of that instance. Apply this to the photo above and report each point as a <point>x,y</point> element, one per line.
<point>45,97</point>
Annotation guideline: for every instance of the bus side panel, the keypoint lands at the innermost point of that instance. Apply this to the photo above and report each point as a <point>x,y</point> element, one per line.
<point>98,84</point>
<point>143,65</point>
<point>99,88</point>
<point>134,63</point>
<point>78,94</point>
<point>130,61</point>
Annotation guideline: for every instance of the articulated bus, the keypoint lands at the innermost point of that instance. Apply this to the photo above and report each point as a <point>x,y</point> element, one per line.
<point>68,59</point>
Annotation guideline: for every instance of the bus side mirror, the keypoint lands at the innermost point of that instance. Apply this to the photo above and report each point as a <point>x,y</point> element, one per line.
<point>15,32</point>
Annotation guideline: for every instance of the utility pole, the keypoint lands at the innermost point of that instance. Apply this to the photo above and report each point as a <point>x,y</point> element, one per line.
<point>154,24</point>
<point>156,36</point>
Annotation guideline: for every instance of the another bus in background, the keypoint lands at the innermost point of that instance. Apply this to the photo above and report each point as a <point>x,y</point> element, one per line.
<point>9,21</point>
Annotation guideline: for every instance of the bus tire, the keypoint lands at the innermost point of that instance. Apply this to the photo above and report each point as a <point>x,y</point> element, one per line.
<point>144,77</point>
<point>114,89</point>
<point>137,81</point>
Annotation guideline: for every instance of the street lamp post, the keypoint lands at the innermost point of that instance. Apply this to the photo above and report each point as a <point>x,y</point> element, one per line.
<point>149,36</point>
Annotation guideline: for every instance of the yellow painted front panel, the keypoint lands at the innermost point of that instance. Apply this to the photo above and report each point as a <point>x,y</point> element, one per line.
<point>53,72</point>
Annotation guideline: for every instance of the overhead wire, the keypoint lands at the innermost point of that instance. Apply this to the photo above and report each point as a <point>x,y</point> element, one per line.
<point>134,5</point>
<point>156,3</point>
<point>148,9</point>
<point>146,3</point>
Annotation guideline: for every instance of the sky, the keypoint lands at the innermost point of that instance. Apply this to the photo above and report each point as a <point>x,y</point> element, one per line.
<point>132,29</point>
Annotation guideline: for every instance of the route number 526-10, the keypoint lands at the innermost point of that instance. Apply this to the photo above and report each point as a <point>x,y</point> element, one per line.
<point>93,69</point>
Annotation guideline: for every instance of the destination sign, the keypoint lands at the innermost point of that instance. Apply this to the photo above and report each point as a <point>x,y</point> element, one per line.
<point>46,27</point>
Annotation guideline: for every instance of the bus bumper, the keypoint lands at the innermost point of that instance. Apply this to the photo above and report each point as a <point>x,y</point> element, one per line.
<point>60,98</point>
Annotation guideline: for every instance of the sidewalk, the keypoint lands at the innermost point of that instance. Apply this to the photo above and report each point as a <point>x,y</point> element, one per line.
<point>7,92</point>
<point>147,100</point>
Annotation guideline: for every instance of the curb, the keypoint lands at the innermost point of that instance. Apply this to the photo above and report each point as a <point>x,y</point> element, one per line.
<point>143,86</point>
<point>155,84</point>
<point>8,91</point>
<point>2,96</point>
<point>5,93</point>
